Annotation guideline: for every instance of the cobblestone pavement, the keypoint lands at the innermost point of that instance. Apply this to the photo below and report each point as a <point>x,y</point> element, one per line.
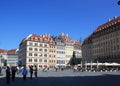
<point>67,78</point>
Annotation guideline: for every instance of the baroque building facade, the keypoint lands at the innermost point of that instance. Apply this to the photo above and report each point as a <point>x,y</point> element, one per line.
<point>103,45</point>
<point>46,50</point>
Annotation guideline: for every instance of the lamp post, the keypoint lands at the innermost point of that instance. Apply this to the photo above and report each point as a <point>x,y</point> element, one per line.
<point>119,2</point>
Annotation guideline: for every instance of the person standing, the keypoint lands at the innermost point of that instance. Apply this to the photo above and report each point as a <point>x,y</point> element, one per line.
<point>13,69</point>
<point>35,71</point>
<point>8,72</point>
<point>31,71</point>
<point>24,73</point>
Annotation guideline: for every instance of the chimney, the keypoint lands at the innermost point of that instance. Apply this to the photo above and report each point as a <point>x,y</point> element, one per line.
<point>67,35</point>
<point>115,17</point>
<point>48,34</point>
<point>43,35</point>
<point>62,34</point>
<point>109,20</point>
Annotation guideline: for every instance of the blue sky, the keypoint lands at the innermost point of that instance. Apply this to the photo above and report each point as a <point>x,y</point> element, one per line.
<point>78,18</point>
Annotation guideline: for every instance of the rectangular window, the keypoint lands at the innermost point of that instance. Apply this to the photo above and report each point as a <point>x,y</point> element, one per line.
<point>35,54</point>
<point>40,49</point>
<point>35,60</point>
<point>40,55</point>
<point>45,55</point>
<point>40,60</point>
<point>35,49</point>
<point>36,44</point>
<point>30,43</point>
<point>41,45</point>
<point>45,45</point>
<point>45,50</point>
<point>30,49</point>
<point>30,54</point>
<point>30,60</point>
<point>45,61</point>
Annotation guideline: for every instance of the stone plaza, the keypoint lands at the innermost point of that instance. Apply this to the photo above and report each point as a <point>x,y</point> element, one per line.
<point>66,78</point>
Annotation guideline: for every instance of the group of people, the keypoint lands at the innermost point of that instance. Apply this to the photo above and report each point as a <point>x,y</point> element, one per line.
<point>11,72</point>
<point>33,69</point>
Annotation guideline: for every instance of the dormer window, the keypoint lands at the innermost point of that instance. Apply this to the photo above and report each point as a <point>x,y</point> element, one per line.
<point>36,38</point>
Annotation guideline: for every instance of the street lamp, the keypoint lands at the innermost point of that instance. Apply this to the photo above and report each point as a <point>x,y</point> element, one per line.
<point>119,2</point>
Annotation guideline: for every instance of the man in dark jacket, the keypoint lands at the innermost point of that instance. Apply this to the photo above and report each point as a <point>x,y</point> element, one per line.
<point>35,71</point>
<point>13,69</point>
<point>8,72</point>
<point>31,71</point>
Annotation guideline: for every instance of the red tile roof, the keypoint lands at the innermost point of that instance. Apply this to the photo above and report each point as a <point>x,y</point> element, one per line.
<point>3,51</point>
<point>75,41</point>
<point>115,20</point>
<point>46,38</point>
<point>49,39</point>
<point>12,51</point>
<point>66,38</point>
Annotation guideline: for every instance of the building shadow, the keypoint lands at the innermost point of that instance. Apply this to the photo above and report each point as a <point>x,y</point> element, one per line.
<point>103,80</point>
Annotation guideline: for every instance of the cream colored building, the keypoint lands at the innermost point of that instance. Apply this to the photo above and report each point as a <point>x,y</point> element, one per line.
<point>105,43</point>
<point>52,55</point>
<point>45,51</point>
<point>34,50</point>
<point>69,52</point>
<point>87,55</point>
<point>60,53</point>
<point>70,47</point>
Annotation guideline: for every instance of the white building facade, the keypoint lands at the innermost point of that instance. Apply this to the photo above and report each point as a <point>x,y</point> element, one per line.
<point>45,51</point>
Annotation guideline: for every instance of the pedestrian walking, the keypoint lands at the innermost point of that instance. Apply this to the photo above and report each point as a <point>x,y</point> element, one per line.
<point>31,71</point>
<point>24,73</point>
<point>8,73</point>
<point>35,71</point>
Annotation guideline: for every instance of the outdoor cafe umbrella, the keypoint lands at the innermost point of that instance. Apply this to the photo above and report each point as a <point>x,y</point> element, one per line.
<point>115,64</point>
